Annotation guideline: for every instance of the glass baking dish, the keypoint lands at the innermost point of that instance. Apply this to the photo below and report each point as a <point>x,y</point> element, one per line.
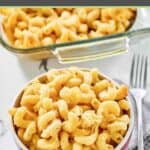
<point>90,49</point>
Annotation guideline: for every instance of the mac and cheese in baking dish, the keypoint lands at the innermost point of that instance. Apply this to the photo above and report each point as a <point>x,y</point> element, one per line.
<point>72,109</point>
<point>34,27</point>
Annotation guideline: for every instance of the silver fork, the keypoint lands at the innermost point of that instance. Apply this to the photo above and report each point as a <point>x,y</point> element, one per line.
<point>138,83</point>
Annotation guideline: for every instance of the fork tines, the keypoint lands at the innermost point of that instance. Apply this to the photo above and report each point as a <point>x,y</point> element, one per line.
<point>138,74</point>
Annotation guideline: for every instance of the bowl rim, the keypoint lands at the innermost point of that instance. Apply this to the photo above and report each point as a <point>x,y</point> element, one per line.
<point>118,147</point>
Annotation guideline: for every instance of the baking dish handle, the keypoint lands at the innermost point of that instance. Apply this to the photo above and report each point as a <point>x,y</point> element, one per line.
<point>101,48</point>
<point>92,50</point>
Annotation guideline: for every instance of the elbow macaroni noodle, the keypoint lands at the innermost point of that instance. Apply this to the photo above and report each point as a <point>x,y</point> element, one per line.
<point>77,117</point>
<point>33,27</point>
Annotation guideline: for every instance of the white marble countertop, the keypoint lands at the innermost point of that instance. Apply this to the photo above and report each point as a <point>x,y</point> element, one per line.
<point>15,72</point>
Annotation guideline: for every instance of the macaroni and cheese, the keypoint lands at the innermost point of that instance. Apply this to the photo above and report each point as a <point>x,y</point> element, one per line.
<point>33,27</point>
<point>72,109</point>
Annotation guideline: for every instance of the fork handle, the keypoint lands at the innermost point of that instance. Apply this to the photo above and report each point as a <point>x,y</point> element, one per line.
<point>140,124</point>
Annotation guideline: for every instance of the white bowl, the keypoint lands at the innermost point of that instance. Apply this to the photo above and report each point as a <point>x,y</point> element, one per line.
<point>122,146</point>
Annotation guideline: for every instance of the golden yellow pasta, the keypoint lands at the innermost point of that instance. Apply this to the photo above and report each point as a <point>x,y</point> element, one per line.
<point>103,140</point>
<point>72,109</point>
<point>33,27</point>
<point>64,141</point>
<point>30,131</point>
<point>52,130</point>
